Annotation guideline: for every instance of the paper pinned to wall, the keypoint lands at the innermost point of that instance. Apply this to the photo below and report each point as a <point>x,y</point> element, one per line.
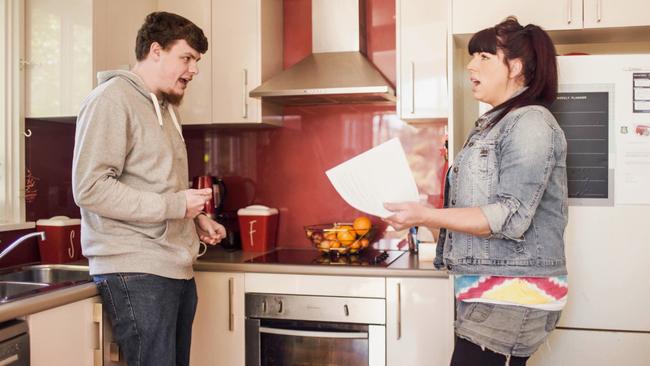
<point>370,179</point>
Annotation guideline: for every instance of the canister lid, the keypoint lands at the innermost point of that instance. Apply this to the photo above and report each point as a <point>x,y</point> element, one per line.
<point>58,221</point>
<point>257,210</point>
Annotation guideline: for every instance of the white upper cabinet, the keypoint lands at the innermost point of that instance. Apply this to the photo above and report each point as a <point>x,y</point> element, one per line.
<point>197,102</point>
<point>470,16</point>
<point>246,50</point>
<point>67,42</point>
<point>616,13</point>
<point>236,63</point>
<point>58,56</point>
<point>422,59</point>
<point>245,47</point>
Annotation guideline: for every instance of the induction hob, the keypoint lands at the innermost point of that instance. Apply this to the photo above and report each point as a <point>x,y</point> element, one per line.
<point>369,257</point>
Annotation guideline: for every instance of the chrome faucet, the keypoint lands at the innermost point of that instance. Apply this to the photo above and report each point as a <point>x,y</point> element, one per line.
<point>20,240</point>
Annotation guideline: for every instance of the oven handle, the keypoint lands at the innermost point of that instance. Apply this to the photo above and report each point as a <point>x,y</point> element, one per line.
<point>313,334</point>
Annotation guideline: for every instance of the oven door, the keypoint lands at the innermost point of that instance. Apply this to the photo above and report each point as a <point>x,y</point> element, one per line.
<point>271,342</point>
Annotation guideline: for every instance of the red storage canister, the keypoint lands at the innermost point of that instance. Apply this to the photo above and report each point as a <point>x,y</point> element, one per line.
<point>62,239</point>
<point>258,227</point>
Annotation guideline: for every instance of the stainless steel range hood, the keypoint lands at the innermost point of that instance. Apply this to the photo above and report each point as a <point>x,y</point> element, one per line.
<point>335,72</point>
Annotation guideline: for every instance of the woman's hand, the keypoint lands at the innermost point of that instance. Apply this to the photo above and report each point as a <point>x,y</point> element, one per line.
<point>408,214</point>
<point>210,231</point>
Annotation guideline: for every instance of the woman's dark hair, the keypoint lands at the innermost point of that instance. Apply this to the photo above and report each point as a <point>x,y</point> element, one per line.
<point>167,28</point>
<point>533,46</point>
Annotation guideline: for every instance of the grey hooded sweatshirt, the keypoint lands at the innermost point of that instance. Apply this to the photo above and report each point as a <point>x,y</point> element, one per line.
<point>129,171</point>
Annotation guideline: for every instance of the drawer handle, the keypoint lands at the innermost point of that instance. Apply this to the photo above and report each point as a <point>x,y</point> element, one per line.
<point>399,311</point>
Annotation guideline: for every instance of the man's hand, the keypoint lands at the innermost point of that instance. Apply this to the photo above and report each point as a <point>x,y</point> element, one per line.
<point>196,199</point>
<point>210,231</point>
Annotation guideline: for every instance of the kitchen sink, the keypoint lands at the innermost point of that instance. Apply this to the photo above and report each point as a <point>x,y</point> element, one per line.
<point>12,289</point>
<point>48,274</point>
<point>26,281</point>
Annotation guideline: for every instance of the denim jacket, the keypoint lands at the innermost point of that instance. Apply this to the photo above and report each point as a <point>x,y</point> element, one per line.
<point>515,172</point>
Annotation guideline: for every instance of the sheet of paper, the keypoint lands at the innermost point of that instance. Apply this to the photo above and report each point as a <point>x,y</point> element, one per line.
<point>379,175</point>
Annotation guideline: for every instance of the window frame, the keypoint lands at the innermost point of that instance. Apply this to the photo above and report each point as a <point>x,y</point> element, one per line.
<point>12,119</point>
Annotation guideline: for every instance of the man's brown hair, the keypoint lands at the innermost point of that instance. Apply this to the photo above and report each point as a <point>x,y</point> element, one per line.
<point>167,28</point>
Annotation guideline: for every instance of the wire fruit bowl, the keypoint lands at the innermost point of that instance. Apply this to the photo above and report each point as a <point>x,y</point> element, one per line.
<point>338,237</point>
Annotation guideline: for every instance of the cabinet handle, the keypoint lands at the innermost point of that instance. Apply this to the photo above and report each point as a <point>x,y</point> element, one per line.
<point>231,315</point>
<point>399,311</point>
<point>412,87</point>
<point>244,112</point>
<point>599,10</point>
<point>569,11</point>
<point>98,354</point>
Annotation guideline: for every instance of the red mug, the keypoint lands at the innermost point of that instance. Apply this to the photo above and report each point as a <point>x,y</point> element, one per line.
<point>206,181</point>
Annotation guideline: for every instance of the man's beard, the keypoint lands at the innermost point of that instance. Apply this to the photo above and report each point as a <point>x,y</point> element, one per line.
<point>173,99</point>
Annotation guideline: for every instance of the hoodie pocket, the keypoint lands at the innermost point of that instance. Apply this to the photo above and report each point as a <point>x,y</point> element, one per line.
<point>149,230</point>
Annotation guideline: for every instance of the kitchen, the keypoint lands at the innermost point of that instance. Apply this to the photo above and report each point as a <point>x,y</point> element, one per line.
<point>237,138</point>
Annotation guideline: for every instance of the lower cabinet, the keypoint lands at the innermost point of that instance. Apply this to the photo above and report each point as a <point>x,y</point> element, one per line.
<point>419,321</point>
<point>66,335</point>
<point>218,330</point>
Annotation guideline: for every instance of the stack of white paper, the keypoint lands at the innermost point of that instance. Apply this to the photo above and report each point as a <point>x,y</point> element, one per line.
<point>370,179</point>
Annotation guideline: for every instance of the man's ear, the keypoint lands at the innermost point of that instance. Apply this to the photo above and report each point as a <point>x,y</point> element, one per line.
<point>154,50</point>
<point>516,68</point>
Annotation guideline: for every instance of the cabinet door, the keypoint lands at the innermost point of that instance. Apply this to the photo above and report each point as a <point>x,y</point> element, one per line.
<point>422,59</point>
<point>65,335</point>
<point>218,330</point>
<point>197,102</point>
<point>593,348</point>
<point>470,16</point>
<point>58,56</point>
<point>611,13</point>
<point>236,65</point>
<point>419,321</point>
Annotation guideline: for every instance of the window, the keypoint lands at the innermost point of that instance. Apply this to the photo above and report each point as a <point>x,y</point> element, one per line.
<point>12,204</point>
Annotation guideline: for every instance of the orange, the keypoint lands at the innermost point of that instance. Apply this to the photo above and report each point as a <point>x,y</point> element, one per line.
<point>346,237</point>
<point>330,235</point>
<point>362,225</point>
<point>364,242</point>
<point>335,244</point>
<point>325,244</point>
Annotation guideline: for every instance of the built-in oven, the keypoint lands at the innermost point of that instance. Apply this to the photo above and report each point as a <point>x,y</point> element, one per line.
<point>286,330</point>
<point>14,343</point>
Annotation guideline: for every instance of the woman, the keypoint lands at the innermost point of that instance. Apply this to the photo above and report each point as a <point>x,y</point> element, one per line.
<point>501,231</point>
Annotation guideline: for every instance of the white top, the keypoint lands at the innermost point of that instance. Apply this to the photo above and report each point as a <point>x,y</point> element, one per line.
<point>58,221</point>
<point>257,210</point>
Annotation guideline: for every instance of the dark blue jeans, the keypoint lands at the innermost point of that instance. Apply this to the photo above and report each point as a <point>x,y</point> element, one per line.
<point>151,316</point>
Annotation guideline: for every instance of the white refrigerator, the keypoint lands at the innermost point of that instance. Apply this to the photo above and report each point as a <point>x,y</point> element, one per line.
<point>604,108</point>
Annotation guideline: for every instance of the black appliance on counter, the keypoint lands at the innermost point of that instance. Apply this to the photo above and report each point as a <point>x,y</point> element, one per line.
<point>228,219</point>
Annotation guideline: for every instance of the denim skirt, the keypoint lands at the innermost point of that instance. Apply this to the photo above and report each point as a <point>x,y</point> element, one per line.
<point>504,329</point>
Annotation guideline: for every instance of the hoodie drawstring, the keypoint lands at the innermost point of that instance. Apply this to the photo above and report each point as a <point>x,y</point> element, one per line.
<point>156,106</point>
<point>176,124</point>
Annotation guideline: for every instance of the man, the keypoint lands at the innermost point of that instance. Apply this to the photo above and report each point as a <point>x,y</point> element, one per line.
<point>140,224</point>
